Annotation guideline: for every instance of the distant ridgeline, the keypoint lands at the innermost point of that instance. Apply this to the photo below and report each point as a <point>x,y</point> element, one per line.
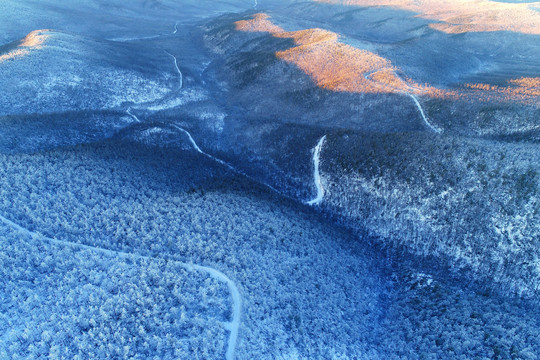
<point>449,171</point>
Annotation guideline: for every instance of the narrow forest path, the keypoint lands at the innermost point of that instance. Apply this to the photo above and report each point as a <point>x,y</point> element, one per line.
<point>198,149</point>
<point>435,129</point>
<point>417,103</point>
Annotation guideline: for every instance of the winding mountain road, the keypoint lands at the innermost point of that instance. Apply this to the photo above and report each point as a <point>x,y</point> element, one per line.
<point>233,326</point>
<point>437,130</point>
<point>149,37</point>
<point>368,75</point>
<point>128,39</point>
<point>417,103</point>
<point>198,149</point>
<point>232,168</point>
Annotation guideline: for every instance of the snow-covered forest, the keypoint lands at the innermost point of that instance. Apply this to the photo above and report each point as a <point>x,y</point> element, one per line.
<point>269,179</point>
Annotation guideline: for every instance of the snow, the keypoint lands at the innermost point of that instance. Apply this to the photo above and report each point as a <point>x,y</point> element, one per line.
<point>296,276</point>
<point>316,173</point>
<point>66,73</point>
<point>198,149</point>
<point>156,162</point>
<point>437,130</point>
<point>214,120</point>
<point>232,326</point>
<point>128,111</point>
<point>185,97</point>
<point>180,76</point>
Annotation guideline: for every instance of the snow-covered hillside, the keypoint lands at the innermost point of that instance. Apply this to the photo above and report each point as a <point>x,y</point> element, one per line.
<point>51,71</point>
<point>308,289</point>
<point>399,167</point>
<point>270,179</point>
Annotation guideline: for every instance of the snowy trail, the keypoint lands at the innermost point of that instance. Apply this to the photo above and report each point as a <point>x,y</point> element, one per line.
<point>437,130</point>
<point>367,76</point>
<point>128,111</point>
<point>316,174</point>
<point>149,37</point>
<point>417,103</point>
<point>232,168</point>
<point>177,69</point>
<point>198,149</point>
<point>233,326</point>
<point>128,39</point>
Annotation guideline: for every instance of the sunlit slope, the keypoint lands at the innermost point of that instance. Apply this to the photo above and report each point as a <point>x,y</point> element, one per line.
<point>424,54</point>
<point>336,66</point>
<point>459,16</point>
<point>307,76</point>
<point>32,41</point>
<point>339,70</point>
<point>49,71</point>
<point>332,64</point>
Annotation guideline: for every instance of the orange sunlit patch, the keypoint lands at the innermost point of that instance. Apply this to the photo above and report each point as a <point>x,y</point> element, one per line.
<point>13,54</point>
<point>309,36</point>
<point>459,16</point>
<point>527,82</point>
<point>339,67</point>
<point>526,90</point>
<point>33,40</point>
<point>259,23</point>
<point>332,65</point>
